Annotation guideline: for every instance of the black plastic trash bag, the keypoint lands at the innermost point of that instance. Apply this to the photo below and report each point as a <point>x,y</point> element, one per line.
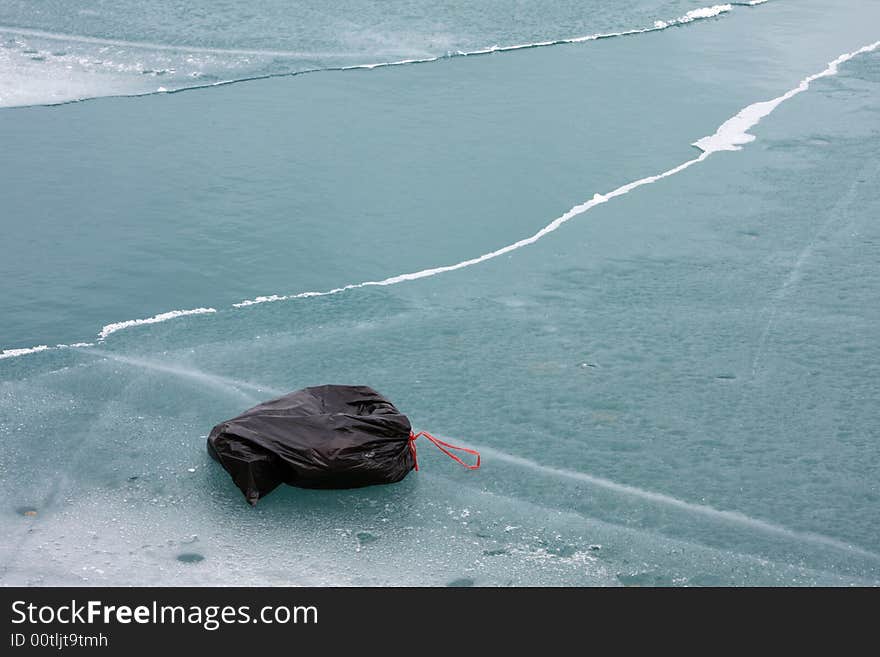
<point>322,437</point>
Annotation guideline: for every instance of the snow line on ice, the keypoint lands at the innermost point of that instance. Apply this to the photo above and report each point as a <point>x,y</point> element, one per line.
<point>12,353</point>
<point>597,199</point>
<point>734,517</point>
<point>155,319</point>
<point>733,133</point>
<point>108,330</point>
<point>729,136</point>
<point>691,16</point>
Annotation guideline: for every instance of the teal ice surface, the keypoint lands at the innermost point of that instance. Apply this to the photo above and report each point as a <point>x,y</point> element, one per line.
<point>677,387</point>
<point>64,50</point>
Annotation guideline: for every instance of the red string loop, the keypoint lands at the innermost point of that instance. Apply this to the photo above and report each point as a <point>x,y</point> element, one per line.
<point>442,446</point>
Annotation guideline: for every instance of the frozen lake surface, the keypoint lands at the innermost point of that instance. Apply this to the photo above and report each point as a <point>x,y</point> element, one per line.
<point>668,355</point>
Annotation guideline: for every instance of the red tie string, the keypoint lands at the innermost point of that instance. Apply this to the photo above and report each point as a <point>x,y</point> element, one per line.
<point>442,446</point>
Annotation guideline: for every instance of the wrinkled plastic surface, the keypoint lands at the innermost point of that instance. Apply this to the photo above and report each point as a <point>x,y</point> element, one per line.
<point>322,437</point>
